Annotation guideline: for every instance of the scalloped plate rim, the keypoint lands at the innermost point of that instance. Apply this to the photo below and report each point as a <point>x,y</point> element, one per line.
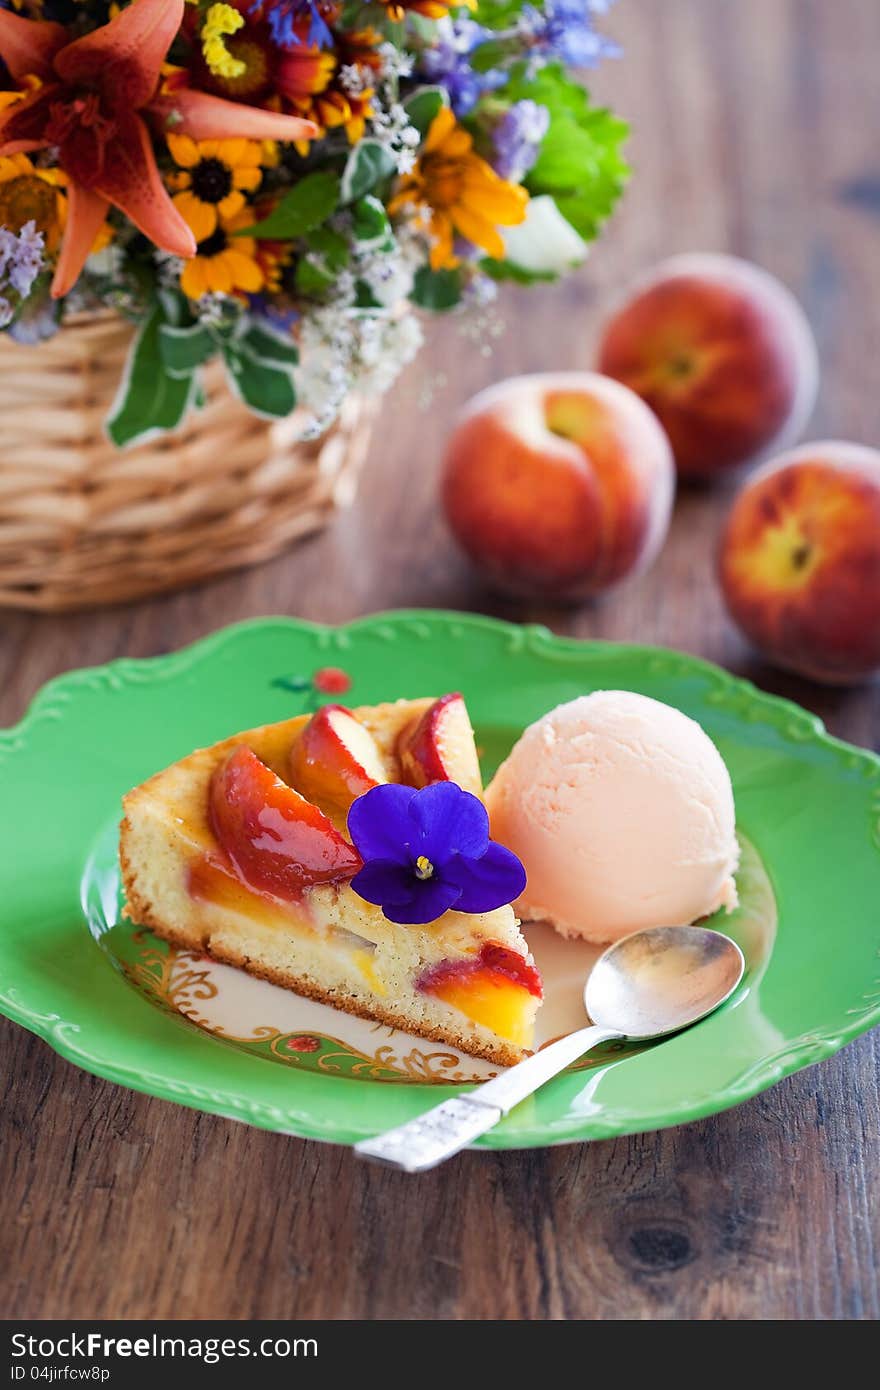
<point>797,1054</point>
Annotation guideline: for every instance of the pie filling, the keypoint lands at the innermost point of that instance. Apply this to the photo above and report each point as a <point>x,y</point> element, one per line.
<point>494,988</point>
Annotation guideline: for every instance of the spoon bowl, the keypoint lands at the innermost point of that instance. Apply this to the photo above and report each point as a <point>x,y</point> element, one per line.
<point>661,980</point>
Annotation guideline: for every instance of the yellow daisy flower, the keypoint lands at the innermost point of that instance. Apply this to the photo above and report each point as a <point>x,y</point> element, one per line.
<point>223,263</point>
<point>456,192</point>
<point>30,194</point>
<point>212,179</point>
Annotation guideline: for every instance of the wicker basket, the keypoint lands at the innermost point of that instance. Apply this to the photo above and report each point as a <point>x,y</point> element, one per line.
<point>83,523</point>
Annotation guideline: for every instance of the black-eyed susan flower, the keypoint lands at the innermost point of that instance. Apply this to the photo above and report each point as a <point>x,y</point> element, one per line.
<point>212,179</point>
<point>224,263</point>
<point>455,192</point>
<point>31,194</point>
<point>309,80</point>
<point>269,56</point>
<point>273,257</point>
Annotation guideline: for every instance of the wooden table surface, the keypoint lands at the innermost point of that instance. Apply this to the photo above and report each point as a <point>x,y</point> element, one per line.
<point>755,132</point>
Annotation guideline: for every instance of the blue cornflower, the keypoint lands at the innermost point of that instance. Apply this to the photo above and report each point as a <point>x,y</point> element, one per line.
<point>427,851</point>
<point>565,30</point>
<point>517,139</point>
<point>283,17</point>
<point>448,63</point>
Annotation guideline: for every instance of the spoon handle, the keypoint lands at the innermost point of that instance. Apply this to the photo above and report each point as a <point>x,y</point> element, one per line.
<point>431,1138</point>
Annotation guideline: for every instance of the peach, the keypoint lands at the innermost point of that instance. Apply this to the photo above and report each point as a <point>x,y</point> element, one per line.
<point>335,759</point>
<point>722,353</point>
<point>800,561</point>
<point>559,485</point>
<point>439,747</point>
<point>278,842</point>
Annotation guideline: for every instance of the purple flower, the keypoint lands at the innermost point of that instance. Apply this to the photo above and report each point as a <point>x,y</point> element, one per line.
<point>427,851</point>
<point>21,260</point>
<point>448,63</point>
<point>565,30</point>
<point>38,318</point>
<point>24,260</point>
<point>283,16</point>
<point>517,139</point>
<point>277,314</point>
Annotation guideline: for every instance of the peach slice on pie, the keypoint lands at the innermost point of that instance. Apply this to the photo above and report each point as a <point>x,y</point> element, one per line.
<point>335,758</point>
<point>438,746</point>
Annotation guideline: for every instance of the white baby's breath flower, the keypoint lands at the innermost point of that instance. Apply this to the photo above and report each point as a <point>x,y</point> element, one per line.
<point>108,263</point>
<point>218,310</point>
<point>390,127</point>
<point>347,349</point>
<point>394,63</point>
<point>406,161</point>
<point>168,269</point>
<point>353,79</point>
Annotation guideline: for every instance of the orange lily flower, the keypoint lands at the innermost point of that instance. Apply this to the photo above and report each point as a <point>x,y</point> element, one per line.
<point>93,96</point>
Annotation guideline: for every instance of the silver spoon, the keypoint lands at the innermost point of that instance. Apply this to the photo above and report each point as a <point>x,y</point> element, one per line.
<point>649,985</point>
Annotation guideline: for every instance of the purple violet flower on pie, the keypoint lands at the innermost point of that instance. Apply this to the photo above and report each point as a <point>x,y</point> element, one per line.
<point>427,851</point>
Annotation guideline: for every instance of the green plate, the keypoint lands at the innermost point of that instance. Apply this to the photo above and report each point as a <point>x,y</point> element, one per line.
<point>114,1001</point>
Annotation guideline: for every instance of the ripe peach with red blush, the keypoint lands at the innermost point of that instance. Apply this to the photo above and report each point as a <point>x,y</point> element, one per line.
<point>722,353</point>
<point>558,485</point>
<point>800,561</point>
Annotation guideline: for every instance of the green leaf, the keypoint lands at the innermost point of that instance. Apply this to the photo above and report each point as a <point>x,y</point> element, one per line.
<point>422,107</point>
<point>313,280</point>
<point>490,55</point>
<point>364,297</point>
<point>184,349</point>
<point>368,164</point>
<point>268,346</point>
<point>331,246</point>
<point>149,398</point>
<point>507,270</point>
<point>580,163</point>
<point>305,206</point>
<point>370,220</point>
<point>175,307</point>
<point>497,14</point>
<point>265,389</point>
<point>437,290</point>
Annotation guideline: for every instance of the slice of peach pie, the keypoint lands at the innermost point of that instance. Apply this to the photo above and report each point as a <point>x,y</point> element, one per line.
<point>345,856</point>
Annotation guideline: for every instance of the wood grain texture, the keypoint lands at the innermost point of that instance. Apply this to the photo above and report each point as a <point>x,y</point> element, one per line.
<point>755,132</point>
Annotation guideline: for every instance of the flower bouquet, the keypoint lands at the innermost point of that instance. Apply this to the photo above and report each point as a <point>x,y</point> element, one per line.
<point>260,188</point>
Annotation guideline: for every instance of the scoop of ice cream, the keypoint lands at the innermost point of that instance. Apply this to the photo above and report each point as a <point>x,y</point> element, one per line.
<point>621,810</point>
